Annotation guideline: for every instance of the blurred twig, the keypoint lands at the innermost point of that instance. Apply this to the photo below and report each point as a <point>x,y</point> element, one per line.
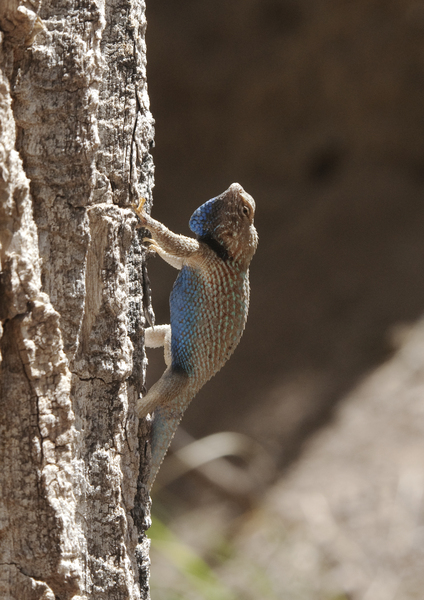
<point>208,456</point>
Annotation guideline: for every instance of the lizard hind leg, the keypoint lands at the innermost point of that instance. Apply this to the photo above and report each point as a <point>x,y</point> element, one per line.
<point>159,336</point>
<point>167,398</point>
<point>172,387</point>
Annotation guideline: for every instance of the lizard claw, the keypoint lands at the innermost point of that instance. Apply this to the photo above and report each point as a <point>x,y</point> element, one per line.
<point>152,244</point>
<point>139,210</point>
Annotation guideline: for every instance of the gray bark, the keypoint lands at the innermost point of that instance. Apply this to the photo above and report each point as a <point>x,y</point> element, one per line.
<point>75,133</point>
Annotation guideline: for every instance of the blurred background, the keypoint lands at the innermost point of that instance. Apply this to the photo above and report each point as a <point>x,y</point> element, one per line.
<point>317,109</point>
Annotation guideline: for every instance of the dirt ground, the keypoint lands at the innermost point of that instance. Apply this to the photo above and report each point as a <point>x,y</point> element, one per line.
<point>347,520</point>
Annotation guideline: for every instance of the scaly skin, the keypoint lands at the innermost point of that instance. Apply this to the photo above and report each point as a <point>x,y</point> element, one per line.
<point>209,304</point>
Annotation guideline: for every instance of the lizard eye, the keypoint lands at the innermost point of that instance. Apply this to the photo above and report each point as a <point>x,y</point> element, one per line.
<point>245,210</point>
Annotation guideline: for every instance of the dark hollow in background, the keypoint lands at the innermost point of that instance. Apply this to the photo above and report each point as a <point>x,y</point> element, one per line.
<point>317,110</point>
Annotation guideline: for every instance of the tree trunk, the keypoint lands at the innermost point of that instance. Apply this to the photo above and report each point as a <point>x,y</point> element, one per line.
<point>75,133</point>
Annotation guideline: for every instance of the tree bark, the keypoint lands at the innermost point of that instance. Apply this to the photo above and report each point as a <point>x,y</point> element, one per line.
<point>75,133</point>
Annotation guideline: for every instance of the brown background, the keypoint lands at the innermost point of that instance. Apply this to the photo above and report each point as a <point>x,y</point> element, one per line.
<point>316,108</point>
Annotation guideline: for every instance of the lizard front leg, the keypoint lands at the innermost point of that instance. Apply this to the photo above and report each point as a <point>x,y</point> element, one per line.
<point>172,247</point>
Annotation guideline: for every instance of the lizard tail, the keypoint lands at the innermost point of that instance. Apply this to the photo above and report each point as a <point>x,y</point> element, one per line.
<point>165,422</point>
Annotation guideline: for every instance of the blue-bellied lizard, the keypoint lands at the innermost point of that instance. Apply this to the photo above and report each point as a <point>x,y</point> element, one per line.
<point>209,304</point>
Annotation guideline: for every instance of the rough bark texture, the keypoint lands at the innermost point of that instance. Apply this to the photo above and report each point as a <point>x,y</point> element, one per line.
<point>75,132</point>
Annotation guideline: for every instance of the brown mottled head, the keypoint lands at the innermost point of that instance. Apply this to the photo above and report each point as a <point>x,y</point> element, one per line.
<point>225,224</point>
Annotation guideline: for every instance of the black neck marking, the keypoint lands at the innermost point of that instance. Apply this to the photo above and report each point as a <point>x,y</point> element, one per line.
<point>216,246</point>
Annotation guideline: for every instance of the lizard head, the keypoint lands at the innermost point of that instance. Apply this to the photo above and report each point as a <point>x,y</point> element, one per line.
<point>225,224</point>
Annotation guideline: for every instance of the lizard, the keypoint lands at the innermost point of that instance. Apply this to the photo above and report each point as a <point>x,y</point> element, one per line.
<point>208,306</point>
